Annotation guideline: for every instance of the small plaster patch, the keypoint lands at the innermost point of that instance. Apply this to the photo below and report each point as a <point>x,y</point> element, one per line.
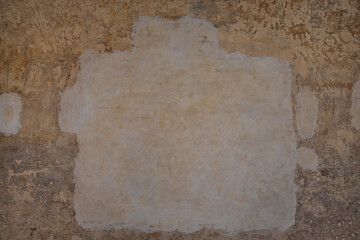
<point>179,134</point>
<point>355,107</point>
<point>307,158</point>
<point>306,111</point>
<point>10,108</point>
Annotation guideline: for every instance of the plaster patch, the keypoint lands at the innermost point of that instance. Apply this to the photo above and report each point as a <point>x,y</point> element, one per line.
<point>306,111</point>
<point>355,106</point>
<point>179,134</point>
<point>307,158</point>
<point>10,108</point>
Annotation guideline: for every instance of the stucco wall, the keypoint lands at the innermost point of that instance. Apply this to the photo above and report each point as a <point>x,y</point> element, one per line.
<point>41,42</point>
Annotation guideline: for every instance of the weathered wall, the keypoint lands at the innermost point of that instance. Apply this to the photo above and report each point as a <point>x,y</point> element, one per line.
<point>177,134</point>
<point>42,40</point>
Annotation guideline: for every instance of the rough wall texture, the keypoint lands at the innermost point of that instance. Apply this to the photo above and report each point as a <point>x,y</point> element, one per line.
<point>40,43</point>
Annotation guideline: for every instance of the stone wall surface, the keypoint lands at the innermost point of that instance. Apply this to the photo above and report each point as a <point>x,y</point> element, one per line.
<point>40,45</point>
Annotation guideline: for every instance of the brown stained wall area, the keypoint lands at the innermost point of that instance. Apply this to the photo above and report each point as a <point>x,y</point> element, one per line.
<point>40,42</point>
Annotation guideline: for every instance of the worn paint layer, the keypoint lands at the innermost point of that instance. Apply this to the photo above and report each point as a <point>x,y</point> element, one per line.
<point>10,108</point>
<point>355,106</point>
<point>179,134</point>
<point>306,110</point>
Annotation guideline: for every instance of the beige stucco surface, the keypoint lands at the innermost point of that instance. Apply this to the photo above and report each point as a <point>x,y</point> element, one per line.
<point>177,134</point>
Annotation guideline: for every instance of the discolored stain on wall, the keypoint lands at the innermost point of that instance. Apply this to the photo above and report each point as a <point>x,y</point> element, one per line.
<point>355,106</point>
<point>10,108</point>
<point>307,158</point>
<point>178,134</point>
<point>306,110</point>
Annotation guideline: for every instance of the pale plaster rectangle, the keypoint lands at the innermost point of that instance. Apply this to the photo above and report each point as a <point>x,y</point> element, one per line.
<point>179,134</point>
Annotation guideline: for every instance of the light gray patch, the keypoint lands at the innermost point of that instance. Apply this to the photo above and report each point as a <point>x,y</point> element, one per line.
<point>10,108</point>
<point>355,106</point>
<point>178,134</point>
<point>307,158</point>
<point>306,111</point>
